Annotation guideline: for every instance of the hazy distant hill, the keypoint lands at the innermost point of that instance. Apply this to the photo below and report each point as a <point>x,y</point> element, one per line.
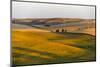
<point>47,20</point>
<point>75,25</point>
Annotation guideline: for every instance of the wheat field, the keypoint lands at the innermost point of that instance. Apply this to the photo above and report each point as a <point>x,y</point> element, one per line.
<point>30,47</point>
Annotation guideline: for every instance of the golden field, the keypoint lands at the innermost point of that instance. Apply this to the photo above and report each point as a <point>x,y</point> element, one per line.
<point>35,47</point>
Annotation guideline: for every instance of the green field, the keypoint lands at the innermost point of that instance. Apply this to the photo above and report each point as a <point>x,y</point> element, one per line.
<point>46,48</point>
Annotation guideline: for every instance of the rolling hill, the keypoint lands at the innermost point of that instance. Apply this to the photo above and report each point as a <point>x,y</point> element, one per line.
<point>74,25</point>
<point>31,47</point>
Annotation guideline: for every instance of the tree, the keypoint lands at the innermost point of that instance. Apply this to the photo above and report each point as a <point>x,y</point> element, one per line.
<point>57,30</point>
<point>62,30</point>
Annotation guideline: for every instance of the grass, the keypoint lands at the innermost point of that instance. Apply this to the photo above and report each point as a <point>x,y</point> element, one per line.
<point>46,48</point>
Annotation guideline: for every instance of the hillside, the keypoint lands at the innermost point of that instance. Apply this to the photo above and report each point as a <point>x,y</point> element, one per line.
<point>21,27</point>
<point>31,47</point>
<point>47,20</point>
<point>75,25</point>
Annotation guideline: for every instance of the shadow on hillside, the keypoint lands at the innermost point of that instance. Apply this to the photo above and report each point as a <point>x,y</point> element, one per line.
<point>35,60</point>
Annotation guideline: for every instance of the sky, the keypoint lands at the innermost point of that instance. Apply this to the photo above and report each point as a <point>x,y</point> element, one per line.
<point>43,10</point>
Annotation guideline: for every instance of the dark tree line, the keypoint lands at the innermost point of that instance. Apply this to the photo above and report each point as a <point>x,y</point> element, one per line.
<point>63,30</point>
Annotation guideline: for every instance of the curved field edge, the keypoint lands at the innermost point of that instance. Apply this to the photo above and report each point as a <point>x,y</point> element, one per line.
<point>31,47</point>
